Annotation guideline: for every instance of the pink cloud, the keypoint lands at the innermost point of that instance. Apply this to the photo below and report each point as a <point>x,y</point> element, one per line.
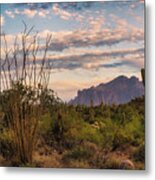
<point>10,13</point>
<point>30,13</point>
<point>60,12</point>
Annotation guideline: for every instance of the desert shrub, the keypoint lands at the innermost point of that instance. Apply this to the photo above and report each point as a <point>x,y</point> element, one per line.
<point>91,134</point>
<point>85,155</point>
<point>98,161</point>
<point>120,138</point>
<point>89,115</point>
<point>29,165</point>
<point>135,131</point>
<point>78,153</point>
<point>77,164</point>
<point>7,145</point>
<point>107,130</point>
<point>62,125</point>
<point>68,129</point>
<point>139,154</point>
<point>111,163</point>
<point>44,124</point>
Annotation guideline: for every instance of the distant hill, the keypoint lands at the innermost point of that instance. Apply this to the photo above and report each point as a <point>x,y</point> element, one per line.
<point>118,91</point>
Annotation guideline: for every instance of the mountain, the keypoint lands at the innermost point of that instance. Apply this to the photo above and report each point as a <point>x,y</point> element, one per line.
<point>118,91</point>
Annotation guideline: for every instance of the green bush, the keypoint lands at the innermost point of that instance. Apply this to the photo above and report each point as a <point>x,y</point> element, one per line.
<point>78,153</point>
<point>121,138</point>
<point>107,130</point>
<point>91,134</point>
<point>7,146</point>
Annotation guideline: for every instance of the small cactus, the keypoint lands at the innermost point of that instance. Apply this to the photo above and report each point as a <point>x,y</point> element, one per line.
<point>143,75</point>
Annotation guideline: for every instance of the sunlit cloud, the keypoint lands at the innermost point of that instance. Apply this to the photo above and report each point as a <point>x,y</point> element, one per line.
<point>142,1</point>
<point>30,13</point>
<point>10,13</point>
<point>43,13</point>
<point>96,23</point>
<point>97,59</point>
<point>60,12</point>
<point>84,37</point>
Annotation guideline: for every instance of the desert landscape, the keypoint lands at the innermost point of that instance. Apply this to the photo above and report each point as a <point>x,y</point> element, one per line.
<point>72,85</point>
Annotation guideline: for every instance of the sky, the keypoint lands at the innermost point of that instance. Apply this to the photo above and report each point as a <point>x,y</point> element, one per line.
<point>92,42</point>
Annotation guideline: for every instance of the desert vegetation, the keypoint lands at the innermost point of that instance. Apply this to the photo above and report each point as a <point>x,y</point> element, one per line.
<point>37,129</point>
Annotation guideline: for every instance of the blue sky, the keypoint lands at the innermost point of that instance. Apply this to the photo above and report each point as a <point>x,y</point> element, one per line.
<point>93,42</point>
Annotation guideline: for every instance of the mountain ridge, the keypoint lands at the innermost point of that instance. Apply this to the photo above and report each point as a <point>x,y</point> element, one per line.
<point>120,90</point>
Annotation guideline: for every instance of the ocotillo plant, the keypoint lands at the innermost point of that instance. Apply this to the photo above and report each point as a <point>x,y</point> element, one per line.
<point>24,76</point>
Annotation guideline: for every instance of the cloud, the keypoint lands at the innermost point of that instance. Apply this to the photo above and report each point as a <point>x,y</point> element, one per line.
<point>39,6</point>
<point>141,1</point>
<point>74,48</point>
<point>29,13</point>
<point>73,52</point>
<point>64,5</point>
<point>133,6</point>
<point>65,14</point>
<point>43,13</point>
<point>62,9</point>
<point>60,12</point>
<point>95,34</point>
<point>33,6</point>
<point>95,37</point>
<point>135,60</point>
<point>98,58</point>
<point>78,6</point>
<point>42,10</point>
<point>139,19</point>
<point>96,22</point>
<point>115,65</point>
<point>2,20</point>
<point>17,11</point>
<point>9,13</point>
